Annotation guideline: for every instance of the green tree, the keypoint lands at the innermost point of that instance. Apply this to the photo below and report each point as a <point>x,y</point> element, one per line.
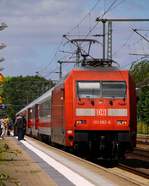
<point>143,105</point>
<point>19,91</point>
<point>140,71</point>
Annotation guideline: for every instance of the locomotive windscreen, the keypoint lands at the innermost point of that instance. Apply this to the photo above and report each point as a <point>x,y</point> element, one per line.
<point>96,89</point>
<point>89,89</point>
<point>112,89</point>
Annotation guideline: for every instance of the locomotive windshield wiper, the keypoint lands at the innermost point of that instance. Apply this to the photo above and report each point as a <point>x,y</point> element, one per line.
<point>93,102</point>
<point>79,98</point>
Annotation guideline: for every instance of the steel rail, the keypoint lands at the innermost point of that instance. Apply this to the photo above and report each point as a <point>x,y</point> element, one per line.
<point>133,170</point>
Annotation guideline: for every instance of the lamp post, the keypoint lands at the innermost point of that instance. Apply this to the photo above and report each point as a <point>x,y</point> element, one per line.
<point>2,45</point>
<point>1,69</point>
<point>2,59</point>
<point>3,26</point>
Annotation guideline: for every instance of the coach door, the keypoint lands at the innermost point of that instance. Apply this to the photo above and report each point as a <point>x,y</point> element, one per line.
<point>57,116</point>
<point>36,116</point>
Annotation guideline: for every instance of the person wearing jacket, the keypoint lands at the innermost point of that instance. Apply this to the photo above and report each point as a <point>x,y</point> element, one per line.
<point>21,126</point>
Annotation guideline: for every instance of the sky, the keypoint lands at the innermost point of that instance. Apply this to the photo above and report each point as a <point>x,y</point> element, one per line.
<point>35,29</point>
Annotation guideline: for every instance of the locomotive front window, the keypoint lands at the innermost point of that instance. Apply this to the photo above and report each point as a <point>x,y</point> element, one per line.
<point>113,89</point>
<point>88,89</point>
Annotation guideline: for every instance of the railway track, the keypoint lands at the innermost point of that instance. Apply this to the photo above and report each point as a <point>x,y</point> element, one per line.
<point>143,139</point>
<point>136,171</point>
<point>141,152</point>
<point>137,162</point>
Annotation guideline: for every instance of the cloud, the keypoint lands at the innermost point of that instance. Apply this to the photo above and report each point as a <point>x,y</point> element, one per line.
<point>35,28</point>
<point>34,25</point>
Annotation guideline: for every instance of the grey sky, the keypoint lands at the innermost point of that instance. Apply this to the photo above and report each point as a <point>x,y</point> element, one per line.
<point>35,29</point>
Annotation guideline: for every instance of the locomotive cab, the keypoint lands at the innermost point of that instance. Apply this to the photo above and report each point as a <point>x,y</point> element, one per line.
<point>99,107</point>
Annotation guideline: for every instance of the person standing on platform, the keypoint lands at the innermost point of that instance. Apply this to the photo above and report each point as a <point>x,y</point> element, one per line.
<point>6,123</point>
<point>15,126</point>
<point>4,126</point>
<point>21,125</point>
<point>2,129</point>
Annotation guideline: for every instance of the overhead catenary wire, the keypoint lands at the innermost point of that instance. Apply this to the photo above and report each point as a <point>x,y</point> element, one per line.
<point>122,1</point>
<point>105,12</point>
<point>136,61</point>
<point>51,72</point>
<point>94,6</point>
<point>124,44</point>
<point>88,14</point>
<point>143,42</point>
<point>52,59</point>
<point>136,31</point>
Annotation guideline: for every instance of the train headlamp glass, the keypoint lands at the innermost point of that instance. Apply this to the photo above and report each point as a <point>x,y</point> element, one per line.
<point>121,122</point>
<point>80,122</point>
<point>69,131</point>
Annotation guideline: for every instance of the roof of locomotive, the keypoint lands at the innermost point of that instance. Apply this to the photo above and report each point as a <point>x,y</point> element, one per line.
<point>91,68</point>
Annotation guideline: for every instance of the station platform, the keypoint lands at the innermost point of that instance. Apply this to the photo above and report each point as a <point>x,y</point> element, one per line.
<point>17,167</point>
<point>32,163</point>
<point>25,164</point>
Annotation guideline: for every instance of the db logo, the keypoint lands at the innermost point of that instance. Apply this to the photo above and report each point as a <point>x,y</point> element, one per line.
<point>101,112</point>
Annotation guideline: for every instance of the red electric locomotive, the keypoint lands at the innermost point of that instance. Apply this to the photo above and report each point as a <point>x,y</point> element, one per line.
<point>92,108</point>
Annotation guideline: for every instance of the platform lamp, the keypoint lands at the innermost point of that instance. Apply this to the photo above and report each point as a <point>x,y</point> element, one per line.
<point>2,45</point>
<point>3,26</point>
<point>2,59</point>
<point>2,78</point>
<point>1,68</point>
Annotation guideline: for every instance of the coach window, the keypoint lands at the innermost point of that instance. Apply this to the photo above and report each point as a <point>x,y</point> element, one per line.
<point>114,89</point>
<point>45,109</point>
<point>31,113</point>
<point>88,89</point>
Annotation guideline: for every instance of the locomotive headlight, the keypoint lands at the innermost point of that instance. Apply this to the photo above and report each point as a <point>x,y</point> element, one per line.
<point>121,122</point>
<point>70,135</point>
<point>69,131</point>
<point>80,122</point>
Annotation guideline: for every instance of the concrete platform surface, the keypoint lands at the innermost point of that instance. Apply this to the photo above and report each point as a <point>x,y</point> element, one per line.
<point>17,168</point>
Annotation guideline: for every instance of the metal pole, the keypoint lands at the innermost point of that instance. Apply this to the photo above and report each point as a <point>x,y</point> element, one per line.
<point>109,42</point>
<point>60,69</point>
<point>120,20</point>
<point>78,56</point>
<point>104,39</point>
<point>115,20</point>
